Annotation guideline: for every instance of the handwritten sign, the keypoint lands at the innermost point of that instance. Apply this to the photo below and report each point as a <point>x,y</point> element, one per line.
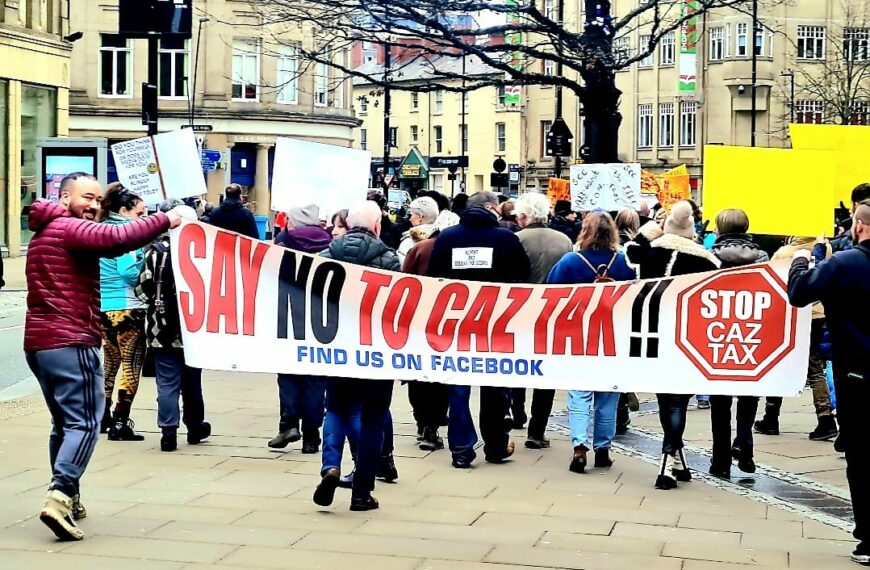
<point>558,189</point>
<point>160,167</point>
<point>611,187</point>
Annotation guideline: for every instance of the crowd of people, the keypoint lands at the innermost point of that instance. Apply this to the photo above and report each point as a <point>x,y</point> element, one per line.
<point>121,296</point>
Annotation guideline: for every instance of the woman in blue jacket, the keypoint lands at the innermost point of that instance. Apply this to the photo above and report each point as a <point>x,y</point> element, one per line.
<point>595,259</point>
<point>123,316</point>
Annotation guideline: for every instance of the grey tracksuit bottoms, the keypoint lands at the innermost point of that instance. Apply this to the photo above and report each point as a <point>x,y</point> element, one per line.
<point>72,384</point>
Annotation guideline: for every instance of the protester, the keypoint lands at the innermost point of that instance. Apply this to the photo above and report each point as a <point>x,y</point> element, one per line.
<point>233,216</point>
<point>391,232</point>
<point>156,288</point>
<point>826,427</point>
<point>666,253</point>
<point>597,259</point>
<point>62,329</point>
<point>545,247</point>
<point>301,397</point>
<point>428,399</point>
<point>508,217</point>
<point>423,213</point>
<point>359,246</point>
<point>859,194</point>
<point>123,318</point>
<point>565,221</point>
<point>627,225</point>
<point>842,284</point>
<point>479,250</point>
<point>734,248</point>
<point>459,203</point>
<point>339,224</point>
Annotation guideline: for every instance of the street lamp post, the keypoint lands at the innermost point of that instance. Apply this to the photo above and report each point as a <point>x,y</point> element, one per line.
<point>755,48</point>
<point>192,86</point>
<point>559,72</point>
<point>790,74</point>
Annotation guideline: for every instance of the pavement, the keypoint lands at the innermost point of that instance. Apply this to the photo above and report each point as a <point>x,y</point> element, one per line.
<point>233,503</point>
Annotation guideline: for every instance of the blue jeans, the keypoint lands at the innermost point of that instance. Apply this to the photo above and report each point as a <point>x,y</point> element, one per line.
<point>175,378</point>
<point>461,435</point>
<point>302,398</point>
<point>579,404</point>
<point>356,427</point>
<point>343,398</point>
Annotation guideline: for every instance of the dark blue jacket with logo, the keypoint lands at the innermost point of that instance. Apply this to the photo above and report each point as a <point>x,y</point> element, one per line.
<point>842,284</point>
<point>478,249</point>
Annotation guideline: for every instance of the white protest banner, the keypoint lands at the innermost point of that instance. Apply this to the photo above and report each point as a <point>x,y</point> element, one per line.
<point>251,306</point>
<point>163,166</point>
<point>611,187</point>
<point>332,177</point>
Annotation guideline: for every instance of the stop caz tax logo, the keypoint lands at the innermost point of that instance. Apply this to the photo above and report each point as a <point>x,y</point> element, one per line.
<point>736,325</point>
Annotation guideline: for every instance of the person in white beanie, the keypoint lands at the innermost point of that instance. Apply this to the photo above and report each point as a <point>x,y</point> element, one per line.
<point>665,252</point>
<point>423,213</point>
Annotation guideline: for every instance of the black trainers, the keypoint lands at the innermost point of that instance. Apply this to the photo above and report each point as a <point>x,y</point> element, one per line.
<point>106,422</point>
<point>169,442</point>
<point>431,441</point>
<point>722,471</point>
<point>122,430</point>
<point>578,460</point>
<point>861,555</point>
<point>537,443</point>
<point>602,459</point>
<point>387,469</point>
<point>310,441</point>
<point>665,483</point>
<point>325,492</point>
<point>767,426</point>
<point>826,430</point>
<point>364,503</point>
<point>197,435</point>
<point>286,436</point>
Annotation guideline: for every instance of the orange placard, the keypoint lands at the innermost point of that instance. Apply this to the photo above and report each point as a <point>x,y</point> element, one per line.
<point>558,189</point>
<point>674,186</point>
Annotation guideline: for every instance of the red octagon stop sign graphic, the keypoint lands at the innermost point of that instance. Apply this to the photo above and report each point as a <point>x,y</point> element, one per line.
<point>736,325</point>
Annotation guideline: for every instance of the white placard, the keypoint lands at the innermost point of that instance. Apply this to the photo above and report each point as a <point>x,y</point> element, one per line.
<point>167,165</point>
<point>611,187</point>
<point>332,177</point>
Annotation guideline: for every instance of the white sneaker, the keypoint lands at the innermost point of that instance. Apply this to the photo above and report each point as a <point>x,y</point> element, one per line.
<point>57,515</point>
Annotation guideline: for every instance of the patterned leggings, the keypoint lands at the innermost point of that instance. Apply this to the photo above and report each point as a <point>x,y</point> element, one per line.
<point>123,349</point>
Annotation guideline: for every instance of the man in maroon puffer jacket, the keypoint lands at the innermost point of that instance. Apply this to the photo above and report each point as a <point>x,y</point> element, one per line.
<point>62,329</point>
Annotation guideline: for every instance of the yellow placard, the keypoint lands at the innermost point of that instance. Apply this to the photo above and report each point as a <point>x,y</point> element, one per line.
<point>784,192</point>
<point>850,143</point>
<point>558,189</point>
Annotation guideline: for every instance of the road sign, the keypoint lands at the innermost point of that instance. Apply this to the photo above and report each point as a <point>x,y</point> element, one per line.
<point>514,173</point>
<point>721,324</point>
<point>210,159</point>
<point>199,128</point>
<point>453,162</point>
<point>559,139</point>
<point>499,165</point>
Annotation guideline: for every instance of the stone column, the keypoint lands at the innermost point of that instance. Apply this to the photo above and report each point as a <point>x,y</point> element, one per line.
<point>261,182</point>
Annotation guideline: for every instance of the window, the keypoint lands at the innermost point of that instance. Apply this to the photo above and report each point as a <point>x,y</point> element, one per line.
<point>855,44</point>
<point>363,105</point>
<point>647,61</point>
<point>666,124</point>
<point>688,123</point>
<point>500,96</point>
<point>500,137</point>
<point>288,70</point>
<point>321,85</point>
<point>549,10</point>
<point>644,125</point>
<point>811,42</point>
<point>742,39</point>
<point>363,139</point>
<point>621,50</point>
<point>549,67</point>
<point>807,111</point>
<point>439,101</point>
<point>116,70</point>
<point>337,87</point>
<point>38,115</point>
<point>415,134</point>
<point>438,135</point>
<point>860,113</point>
<point>415,101</point>
<point>246,70</point>
<point>545,128</point>
<point>667,49</point>
<point>717,43</point>
<point>759,41</point>
<point>463,130</point>
<point>172,63</point>
<point>394,137</point>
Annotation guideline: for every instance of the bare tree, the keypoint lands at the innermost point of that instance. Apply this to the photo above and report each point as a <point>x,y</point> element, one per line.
<point>838,78</point>
<point>513,37</point>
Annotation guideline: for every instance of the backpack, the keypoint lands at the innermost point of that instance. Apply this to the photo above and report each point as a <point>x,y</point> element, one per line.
<point>602,272</point>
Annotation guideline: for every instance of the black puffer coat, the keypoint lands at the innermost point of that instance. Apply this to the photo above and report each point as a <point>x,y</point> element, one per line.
<point>655,254</point>
<point>360,247</point>
<point>737,250</point>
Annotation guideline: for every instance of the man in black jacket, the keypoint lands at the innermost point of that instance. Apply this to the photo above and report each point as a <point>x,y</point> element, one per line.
<point>233,216</point>
<point>479,250</point>
<point>842,284</point>
<point>371,398</point>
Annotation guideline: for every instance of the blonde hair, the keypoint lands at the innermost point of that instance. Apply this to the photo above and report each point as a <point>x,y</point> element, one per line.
<point>732,221</point>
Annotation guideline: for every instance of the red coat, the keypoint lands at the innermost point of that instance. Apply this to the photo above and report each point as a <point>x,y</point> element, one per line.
<point>63,273</point>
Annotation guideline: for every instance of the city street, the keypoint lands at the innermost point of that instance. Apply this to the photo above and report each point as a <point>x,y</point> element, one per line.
<point>233,503</point>
<point>15,377</point>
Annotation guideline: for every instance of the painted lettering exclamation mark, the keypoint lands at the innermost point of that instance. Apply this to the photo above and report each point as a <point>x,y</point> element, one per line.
<point>649,300</point>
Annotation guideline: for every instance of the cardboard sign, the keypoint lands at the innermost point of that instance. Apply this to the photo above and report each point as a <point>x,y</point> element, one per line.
<point>161,167</point>
<point>611,187</point>
<point>332,177</point>
<point>251,306</point>
<point>558,189</point>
